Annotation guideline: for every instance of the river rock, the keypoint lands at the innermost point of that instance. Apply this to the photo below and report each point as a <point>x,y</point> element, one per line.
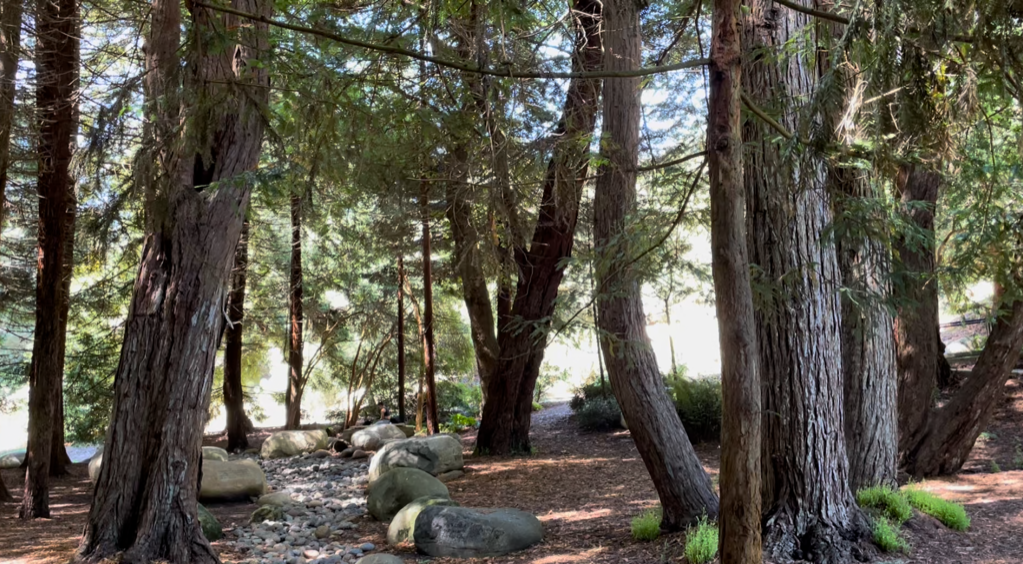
<point>292,443</point>
<point>346,435</point>
<point>461,532</point>
<point>9,461</point>
<point>236,479</point>
<point>380,559</point>
<point>435,455</point>
<point>278,499</point>
<point>403,524</point>
<point>210,526</point>
<point>395,489</point>
<point>376,436</point>
<point>214,453</point>
<point>266,513</point>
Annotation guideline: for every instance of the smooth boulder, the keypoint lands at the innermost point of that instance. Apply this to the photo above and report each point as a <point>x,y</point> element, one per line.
<point>238,479</point>
<point>376,436</point>
<point>380,559</point>
<point>266,513</point>
<point>397,488</point>
<point>214,453</point>
<point>403,524</point>
<point>95,463</point>
<point>277,499</point>
<point>409,430</point>
<point>8,461</point>
<point>346,435</point>
<point>461,532</point>
<point>293,443</point>
<point>435,455</point>
<point>211,528</point>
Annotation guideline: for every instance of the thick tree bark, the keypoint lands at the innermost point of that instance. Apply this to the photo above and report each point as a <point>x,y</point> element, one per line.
<point>5,496</point>
<point>10,47</point>
<point>296,384</point>
<point>739,519</point>
<point>144,505</point>
<point>945,443</point>
<point>234,395</point>
<point>917,333</point>
<point>809,509</point>
<point>401,339</point>
<point>56,83</point>
<point>429,344</point>
<point>508,411</point>
<point>682,485</point>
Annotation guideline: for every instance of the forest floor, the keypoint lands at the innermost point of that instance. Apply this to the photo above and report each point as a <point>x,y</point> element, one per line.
<point>586,488</point>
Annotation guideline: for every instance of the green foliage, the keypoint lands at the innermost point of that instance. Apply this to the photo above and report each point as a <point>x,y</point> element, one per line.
<point>1017,457</point>
<point>995,468</point>
<point>458,423</point>
<point>455,397</point>
<point>891,504</point>
<point>537,406</point>
<point>702,542</point>
<point>599,414</point>
<point>952,514</point>
<point>888,537</point>
<point>698,402</point>
<point>647,525</point>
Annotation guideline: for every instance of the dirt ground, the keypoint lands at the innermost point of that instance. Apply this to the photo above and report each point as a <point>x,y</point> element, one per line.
<point>587,487</point>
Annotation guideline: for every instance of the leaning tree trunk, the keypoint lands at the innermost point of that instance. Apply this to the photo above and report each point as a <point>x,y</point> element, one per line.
<point>809,509</point>
<point>508,411</point>
<point>739,520</point>
<point>945,443</point>
<point>10,46</point>
<point>234,394</point>
<point>917,332</point>
<point>429,343</point>
<point>682,485</point>
<point>145,502</point>
<point>56,83</point>
<point>293,401</point>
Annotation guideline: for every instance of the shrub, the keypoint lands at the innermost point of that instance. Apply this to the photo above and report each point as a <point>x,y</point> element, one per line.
<point>647,526</point>
<point>537,406</point>
<point>698,402</point>
<point>577,402</point>
<point>995,468</point>
<point>952,514</point>
<point>454,397</point>
<point>888,537</point>
<point>458,423</point>
<point>890,503</point>
<point>702,542</point>
<point>600,414</point>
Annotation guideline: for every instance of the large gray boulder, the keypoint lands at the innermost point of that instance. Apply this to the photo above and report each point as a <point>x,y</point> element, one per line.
<point>214,453</point>
<point>346,435</point>
<point>403,524</point>
<point>461,532</point>
<point>237,479</point>
<point>8,461</point>
<point>435,455</point>
<point>397,488</point>
<point>380,559</point>
<point>211,528</point>
<point>376,436</point>
<point>292,443</point>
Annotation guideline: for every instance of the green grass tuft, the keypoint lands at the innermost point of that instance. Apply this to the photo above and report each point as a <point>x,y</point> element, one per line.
<point>647,526</point>
<point>702,542</point>
<point>952,514</point>
<point>892,504</point>
<point>995,468</point>
<point>888,537</point>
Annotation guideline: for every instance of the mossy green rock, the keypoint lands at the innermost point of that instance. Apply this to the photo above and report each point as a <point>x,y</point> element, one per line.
<point>293,443</point>
<point>403,525</point>
<point>395,489</point>
<point>210,526</point>
<point>214,453</point>
<point>267,513</point>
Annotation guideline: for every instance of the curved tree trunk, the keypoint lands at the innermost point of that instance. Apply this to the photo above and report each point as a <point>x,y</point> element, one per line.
<point>10,47</point>
<point>739,520</point>
<point>56,83</point>
<point>508,411</point>
<point>144,505</point>
<point>234,395</point>
<point>296,383</point>
<point>682,485</point>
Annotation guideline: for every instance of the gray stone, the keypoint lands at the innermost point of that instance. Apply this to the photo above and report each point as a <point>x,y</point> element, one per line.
<point>449,476</point>
<point>322,532</point>
<point>397,488</point>
<point>435,455</point>
<point>9,461</point>
<point>214,453</point>
<point>210,526</point>
<point>292,443</point>
<point>320,454</point>
<point>346,435</point>
<point>380,559</point>
<point>267,513</point>
<point>461,532</point>
<point>95,463</point>
<point>235,479</point>
<point>348,452</point>
<point>407,429</point>
<point>359,453</point>
<point>279,499</point>
<point>404,522</point>
<point>376,436</point>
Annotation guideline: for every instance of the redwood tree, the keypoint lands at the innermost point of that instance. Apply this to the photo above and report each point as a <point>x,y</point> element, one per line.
<point>429,343</point>
<point>10,47</point>
<point>401,339</point>
<point>144,506</point>
<point>296,384</point>
<point>682,485</point>
<point>56,84</point>
<point>234,395</point>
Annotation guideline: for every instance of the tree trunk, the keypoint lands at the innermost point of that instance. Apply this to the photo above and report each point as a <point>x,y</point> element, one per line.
<point>917,333</point>
<point>401,339</point>
<point>682,485</point>
<point>740,485</point>
<point>144,505</point>
<point>234,394</point>
<point>56,83</point>
<point>509,408</point>
<point>10,47</point>
<point>945,444</point>
<point>296,384</point>
<point>5,496</point>
<point>809,510</point>
<point>430,352</point>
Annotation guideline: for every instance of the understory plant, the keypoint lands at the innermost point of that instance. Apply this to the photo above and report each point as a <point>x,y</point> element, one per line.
<point>647,525</point>
<point>698,403</point>
<point>951,514</point>
<point>599,414</point>
<point>888,537</point>
<point>702,542</point>
<point>890,503</point>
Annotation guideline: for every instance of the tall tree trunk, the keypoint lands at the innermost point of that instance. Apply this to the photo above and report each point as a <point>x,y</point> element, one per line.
<point>682,485</point>
<point>429,344</point>
<point>234,394</point>
<point>508,411</point>
<point>56,83</point>
<point>809,510</point>
<point>401,339</point>
<point>144,506</point>
<point>5,496</point>
<point>917,330</point>
<point>671,339</point>
<point>945,443</point>
<point>296,383</point>
<point>10,47</point>
<point>740,485</point>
